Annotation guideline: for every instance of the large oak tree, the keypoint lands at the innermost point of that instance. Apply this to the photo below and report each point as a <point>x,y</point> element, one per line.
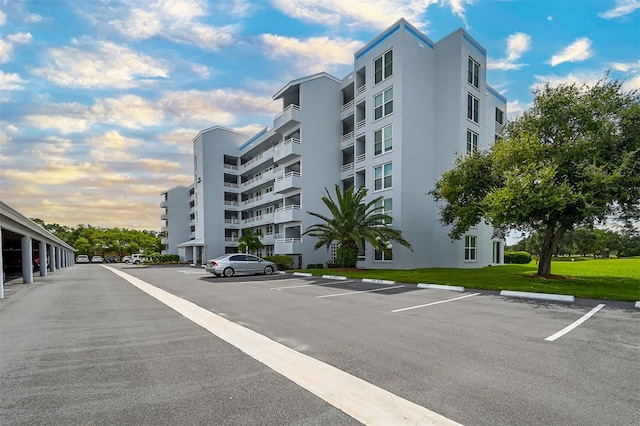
<point>571,160</point>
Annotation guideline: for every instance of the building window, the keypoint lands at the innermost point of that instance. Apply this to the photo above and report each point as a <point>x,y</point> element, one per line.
<point>383,103</point>
<point>499,116</point>
<point>384,207</point>
<point>473,73</point>
<point>472,141</point>
<point>383,67</point>
<point>380,256</point>
<point>383,140</point>
<point>470,248</point>
<point>268,230</point>
<point>268,190</point>
<point>269,210</point>
<point>473,106</point>
<point>269,250</point>
<point>382,177</point>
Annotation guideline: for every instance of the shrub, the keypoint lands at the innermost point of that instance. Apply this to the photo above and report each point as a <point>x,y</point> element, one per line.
<point>283,262</point>
<point>311,266</point>
<point>520,257</point>
<point>347,257</point>
<point>332,264</point>
<point>319,266</point>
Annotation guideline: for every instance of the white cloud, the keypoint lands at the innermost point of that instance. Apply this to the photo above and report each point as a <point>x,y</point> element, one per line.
<point>3,18</point>
<point>361,13</point>
<point>314,54</point>
<point>10,81</point>
<point>6,49</point>
<point>175,20</point>
<point>517,45</point>
<point>579,50</point>
<point>159,166</point>
<point>32,18</point>
<point>128,111</point>
<point>216,106</point>
<point>63,123</point>
<point>201,70</point>
<point>101,65</point>
<point>52,146</point>
<point>589,78</point>
<point>22,38</point>
<point>621,8</point>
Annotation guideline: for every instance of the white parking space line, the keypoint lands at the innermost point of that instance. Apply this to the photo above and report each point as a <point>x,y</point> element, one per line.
<point>435,303</point>
<point>358,292</point>
<point>362,400</point>
<point>307,285</point>
<point>191,272</point>
<point>575,324</point>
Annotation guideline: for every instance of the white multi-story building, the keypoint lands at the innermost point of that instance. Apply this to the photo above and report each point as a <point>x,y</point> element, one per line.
<point>394,125</point>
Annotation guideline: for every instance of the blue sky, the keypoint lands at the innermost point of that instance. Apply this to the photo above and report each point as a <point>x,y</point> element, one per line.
<point>100,100</point>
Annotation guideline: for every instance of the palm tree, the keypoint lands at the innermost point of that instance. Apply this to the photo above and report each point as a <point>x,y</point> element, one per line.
<point>353,222</point>
<point>249,241</point>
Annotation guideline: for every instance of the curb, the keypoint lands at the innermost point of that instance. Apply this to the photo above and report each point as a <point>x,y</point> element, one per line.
<point>302,274</point>
<point>441,287</point>
<point>370,280</point>
<point>637,305</point>
<point>543,296</point>
<point>334,277</point>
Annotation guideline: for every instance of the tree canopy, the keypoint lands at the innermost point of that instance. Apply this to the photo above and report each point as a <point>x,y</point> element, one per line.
<point>353,221</point>
<point>87,239</point>
<point>571,160</point>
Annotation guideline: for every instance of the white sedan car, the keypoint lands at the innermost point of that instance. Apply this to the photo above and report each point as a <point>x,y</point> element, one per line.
<point>82,258</point>
<point>239,264</point>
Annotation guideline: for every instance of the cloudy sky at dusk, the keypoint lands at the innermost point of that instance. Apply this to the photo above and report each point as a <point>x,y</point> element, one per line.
<point>100,100</point>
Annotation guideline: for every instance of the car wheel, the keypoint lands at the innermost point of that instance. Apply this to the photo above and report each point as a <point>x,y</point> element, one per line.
<point>268,270</point>
<point>228,272</point>
<point>136,262</point>
<point>126,261</point>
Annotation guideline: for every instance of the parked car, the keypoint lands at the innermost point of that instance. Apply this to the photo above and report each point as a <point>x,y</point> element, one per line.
<point>134,258</point>
<point>111,259</point>
<point>239,264</point>
<point>82,258</point>
<point>97,259</point>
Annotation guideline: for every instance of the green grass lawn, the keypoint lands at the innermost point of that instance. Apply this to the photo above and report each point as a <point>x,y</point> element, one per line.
<point>609,279</point>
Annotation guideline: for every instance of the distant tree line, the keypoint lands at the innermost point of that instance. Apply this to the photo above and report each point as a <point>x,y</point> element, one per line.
<point>97,241</point>
<point>588,242</point>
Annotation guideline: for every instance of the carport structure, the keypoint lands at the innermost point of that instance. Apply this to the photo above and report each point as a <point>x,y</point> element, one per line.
<point>26,248</point>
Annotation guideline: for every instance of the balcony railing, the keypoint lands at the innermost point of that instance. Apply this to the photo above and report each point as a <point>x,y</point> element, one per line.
<point>360,124</point>
<point>348,105</point>
<point>163,204</point>
<point>231,203</point>
<point>285,143</point>
<point>360,158</point>
<point>231,185</point>
<point>289,207</point>
<point>346,137</point>
<point>347,167</point>
<point>288,175</point>
<point>252,200</point>
<point>361,90</point>
<point>230,166</point>
<point>288,240</point>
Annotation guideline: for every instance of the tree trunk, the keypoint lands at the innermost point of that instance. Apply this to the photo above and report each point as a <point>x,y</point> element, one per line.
<point>551,239</point>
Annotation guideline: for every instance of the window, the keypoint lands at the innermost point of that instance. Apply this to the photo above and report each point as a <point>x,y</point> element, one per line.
<point>383,67</point>
<point>472,141</point>
<point>269,210</point>
<point>379,255</point>
<point>383,103</point>
<point>385,207</point>
<point>473,106</point>
<point>470,248</point>
<point>269,250</point>
<point>382,178</point>
<point>268,230</point>
<point>473,73</point>
<point>383,140</point>
<point>268,190</point>
<point>499,116</point>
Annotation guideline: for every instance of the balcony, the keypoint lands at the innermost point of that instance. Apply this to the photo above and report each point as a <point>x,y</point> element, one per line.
<point>287,119</point>
<point>360,158</point>
<point>286,150</point>
<point>360,125</point>
<point>348,105</point>
<point>231,167</point>
<point>232,223</point>
<point>360,91</point>
<point>164,216</point>
<point>347,140</point>
<point>231,185</point>
<point>255,161</point>
<point>288,245</point>
<point>164,240</point>
<point>163,204</point>
<point>290,213</point>
<point>164,228</point>
<point>287,183</point>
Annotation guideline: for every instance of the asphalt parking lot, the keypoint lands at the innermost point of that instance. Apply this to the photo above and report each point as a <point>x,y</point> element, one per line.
<point>474,357</point>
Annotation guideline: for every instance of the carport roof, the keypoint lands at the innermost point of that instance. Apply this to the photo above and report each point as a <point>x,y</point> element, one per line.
<point>192,243</point>
<point>14,221</point>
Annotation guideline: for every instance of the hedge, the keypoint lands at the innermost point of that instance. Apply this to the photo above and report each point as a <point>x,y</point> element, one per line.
<point>521,257</point>
<point>283,262</point>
